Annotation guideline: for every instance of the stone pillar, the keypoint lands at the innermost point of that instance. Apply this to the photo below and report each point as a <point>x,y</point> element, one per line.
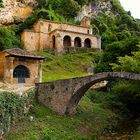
<point>11,69</point>
<point>59,44</point>
<point>40,71</point>
<point>72,43</point>
<point>82,44</point>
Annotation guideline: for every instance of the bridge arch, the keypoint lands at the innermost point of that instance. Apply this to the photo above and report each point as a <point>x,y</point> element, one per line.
<point>80,92</point>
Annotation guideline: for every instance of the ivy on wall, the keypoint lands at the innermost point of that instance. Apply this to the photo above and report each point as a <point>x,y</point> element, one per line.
<point>12,108</point>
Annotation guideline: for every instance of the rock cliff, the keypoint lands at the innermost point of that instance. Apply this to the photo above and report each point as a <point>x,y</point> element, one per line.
<point>15,11</point>
<point>94,8</point>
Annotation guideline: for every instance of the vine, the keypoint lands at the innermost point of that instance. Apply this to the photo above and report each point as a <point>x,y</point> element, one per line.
<point>12,108</point>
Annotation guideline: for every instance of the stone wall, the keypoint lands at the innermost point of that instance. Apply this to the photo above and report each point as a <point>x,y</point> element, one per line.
<point>46,26</point>
<point>57,94</point>
<point>31,40</point>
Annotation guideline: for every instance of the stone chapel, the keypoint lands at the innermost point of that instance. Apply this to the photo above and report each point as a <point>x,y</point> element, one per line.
<point>47,34</point>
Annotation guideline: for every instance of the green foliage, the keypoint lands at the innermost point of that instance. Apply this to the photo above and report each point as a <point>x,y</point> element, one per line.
<point>128,63</point>
<point>102,67</point>
<point>27,24</point>
<point>65,11</point>
<point>12,108</point>
<point>129,94</point>
<point>59,7</point>
<point>1,3</point>
<point>95,30</point>
<point>117,8</point>
<point>81,2</point>
<point>125,34</point>
<point>8,39</point>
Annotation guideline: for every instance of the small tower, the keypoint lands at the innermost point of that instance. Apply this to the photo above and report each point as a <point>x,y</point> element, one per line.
<point>85,22</point>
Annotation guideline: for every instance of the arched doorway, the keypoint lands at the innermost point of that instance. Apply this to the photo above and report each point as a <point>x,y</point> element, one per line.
<point>77,42</point>
<point>21,72</point>
<point>87,43</point>
<point>53,41</point>
<point>67,41</point>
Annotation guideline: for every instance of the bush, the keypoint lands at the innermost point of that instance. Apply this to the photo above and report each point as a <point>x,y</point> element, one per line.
<point>8,39</point>
<point>12,108</point>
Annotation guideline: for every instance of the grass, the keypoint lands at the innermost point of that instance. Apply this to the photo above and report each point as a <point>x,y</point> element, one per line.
<point>66,66</point>
<point>91,120</point>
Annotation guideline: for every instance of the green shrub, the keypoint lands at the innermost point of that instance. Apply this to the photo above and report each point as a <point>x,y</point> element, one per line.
<point>8,39</point>
<point>13,107</point>
<point>1,3</point>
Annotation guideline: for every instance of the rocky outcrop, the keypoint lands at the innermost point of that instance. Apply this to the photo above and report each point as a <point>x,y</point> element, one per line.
<point>94,8</point>
<point>16,10</point>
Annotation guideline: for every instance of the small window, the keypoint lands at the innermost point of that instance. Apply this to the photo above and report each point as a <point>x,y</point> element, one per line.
<point>88,31</point>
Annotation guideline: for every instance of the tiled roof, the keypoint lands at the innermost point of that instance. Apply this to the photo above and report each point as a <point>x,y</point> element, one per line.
<point>22,53</point>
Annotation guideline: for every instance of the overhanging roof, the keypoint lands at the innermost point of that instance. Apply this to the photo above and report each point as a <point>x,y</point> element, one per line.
<point>17,52</point>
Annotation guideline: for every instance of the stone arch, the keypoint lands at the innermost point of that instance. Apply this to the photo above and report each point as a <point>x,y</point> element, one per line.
<point>67,41</point>
<point>87,43</point>
<point>21,72</point>
<point>80,92</point>
<point>53,41</point>
<point>77,42</point>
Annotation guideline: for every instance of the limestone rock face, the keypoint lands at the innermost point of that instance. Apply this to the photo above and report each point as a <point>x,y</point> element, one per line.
<point>16,10</point>
<point>94,8</point>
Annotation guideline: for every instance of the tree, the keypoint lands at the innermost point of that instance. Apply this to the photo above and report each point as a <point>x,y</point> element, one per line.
<point>128,63</point>
<point>8,39</point>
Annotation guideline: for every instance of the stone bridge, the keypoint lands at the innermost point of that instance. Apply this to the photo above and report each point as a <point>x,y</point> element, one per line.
<point>63,96</point>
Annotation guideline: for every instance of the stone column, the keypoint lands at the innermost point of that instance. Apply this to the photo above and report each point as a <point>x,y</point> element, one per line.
<point>11,69</point>
<point>40,71</point>
<point>82,44</point>
<point>59,44</point>
<point>72,43</point>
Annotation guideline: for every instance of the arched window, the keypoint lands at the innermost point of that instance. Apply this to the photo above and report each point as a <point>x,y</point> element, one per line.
<point>67,41</point>
<point>77,42</point>
<point>53,41</point>
<point>21,72</point>
<point>87,43</point>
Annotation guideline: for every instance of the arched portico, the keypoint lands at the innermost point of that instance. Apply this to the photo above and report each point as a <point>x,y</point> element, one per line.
<point>87,43</point>
<point>77,42</point>
<point>67,41</point>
